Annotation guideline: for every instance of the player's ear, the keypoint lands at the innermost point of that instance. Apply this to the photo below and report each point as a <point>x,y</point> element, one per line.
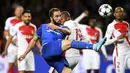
<point>51,18</point>
<point>124,13</point>
<point>114,14</point>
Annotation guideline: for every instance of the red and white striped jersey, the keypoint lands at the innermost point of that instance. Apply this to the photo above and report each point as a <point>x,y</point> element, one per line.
<point>24,34</point>
<point>114,30</point>
<point>93,35</point>
<point>75,35</point>
<point>10,22</point>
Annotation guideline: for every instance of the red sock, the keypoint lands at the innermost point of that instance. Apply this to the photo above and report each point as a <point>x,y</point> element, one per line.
<point>11,70</point>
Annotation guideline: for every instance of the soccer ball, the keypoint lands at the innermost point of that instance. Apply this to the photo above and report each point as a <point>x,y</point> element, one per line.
<point>105,10</point>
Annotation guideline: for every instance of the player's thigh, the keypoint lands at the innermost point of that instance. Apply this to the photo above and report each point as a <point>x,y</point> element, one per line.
<point>58,64</point>
<point>22,65</point>
<point>52,49</point>
<point>86,61</point>
<point>12,54</point>
<point>30,65</point>
<point>96,61</point>
<point>120,64</point>
<point>128,61</point>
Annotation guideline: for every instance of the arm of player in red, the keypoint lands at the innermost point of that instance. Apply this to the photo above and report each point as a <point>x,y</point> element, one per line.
<point>30,46</point>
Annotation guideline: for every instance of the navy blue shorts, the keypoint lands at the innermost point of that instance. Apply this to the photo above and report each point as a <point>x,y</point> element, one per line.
<point>52,53</point>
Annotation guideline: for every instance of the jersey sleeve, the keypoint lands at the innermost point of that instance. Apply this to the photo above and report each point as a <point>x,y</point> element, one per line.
<point>80,17</point>
<point>14,30</point>
<point>7,24</point>
<point>109,31</point>
<point>108,35</point>
<point>39,31</point>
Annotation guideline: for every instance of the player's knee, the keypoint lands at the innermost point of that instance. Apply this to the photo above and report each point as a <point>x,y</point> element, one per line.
<point>66,43</point>
<point>66,70</point>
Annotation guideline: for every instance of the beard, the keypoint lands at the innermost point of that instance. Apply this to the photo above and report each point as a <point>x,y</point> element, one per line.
<point>56,23</point>
<point>27,22</point>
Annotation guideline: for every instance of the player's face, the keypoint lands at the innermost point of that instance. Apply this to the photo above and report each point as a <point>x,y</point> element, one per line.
<point>57,17</point>
<point>92,22</point>
<point>63,19</point>
<point>18,11</point>
<point>26,18</point>
<point>119,13</point>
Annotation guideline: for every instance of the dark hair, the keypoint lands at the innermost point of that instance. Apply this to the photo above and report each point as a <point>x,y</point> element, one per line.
<point>52,11</point>
<point>66,13</point>
<point>26,11</point>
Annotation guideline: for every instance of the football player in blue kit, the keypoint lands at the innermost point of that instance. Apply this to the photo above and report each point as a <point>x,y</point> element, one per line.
<point>54,43</point>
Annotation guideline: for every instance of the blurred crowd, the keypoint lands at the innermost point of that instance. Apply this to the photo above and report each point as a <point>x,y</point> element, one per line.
<point>40,8</point>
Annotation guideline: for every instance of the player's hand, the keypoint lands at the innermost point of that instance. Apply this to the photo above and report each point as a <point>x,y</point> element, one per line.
<point>21,57</point>
<point>53,26</point>
<point>4,54</point>
<point>40,52</point>
<point>121,36</point>
<point>86,12</point>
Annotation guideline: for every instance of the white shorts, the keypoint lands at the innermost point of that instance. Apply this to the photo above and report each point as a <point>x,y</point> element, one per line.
<point>90,59</point>
<point>73,61</point>
<point>12,53</point>
<point>26,64</point>
<point>121,63</point>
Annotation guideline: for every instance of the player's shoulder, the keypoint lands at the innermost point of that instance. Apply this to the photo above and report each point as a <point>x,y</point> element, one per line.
<point>68,22</point>
<point>33,25</point>
<point>10,18</point>
<point>126,22</point>
<point>110,25</point>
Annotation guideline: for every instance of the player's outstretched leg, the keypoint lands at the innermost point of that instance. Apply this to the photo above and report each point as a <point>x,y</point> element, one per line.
<point>67,44</point>
<point>98,45</point>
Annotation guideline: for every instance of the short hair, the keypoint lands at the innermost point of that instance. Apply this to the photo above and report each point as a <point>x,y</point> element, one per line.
<point>66,13</point>
<point>26,11</point>
<point>52,11</point>
<point>17,6</point>
<point>120,8</point>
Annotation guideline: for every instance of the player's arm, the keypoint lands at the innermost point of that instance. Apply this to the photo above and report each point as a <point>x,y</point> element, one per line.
<point>64,30</point>
<point>80,17</point>
<point>7,45</point>
<point>6,29</point>
<point>30,46</point>
<point>11,35</point>
<point>109,34</point>
<point>38,44</point>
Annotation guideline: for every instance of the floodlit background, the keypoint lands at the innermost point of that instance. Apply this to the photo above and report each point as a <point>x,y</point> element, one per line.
<point>40,8</point>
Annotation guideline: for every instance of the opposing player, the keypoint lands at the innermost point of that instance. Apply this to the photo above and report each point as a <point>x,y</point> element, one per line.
<point>24,31</point>
<point>10,22</point>
<point>54,45</point>
<point>72,55</point>
<point>90,59</point>
<point>121,54</point>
